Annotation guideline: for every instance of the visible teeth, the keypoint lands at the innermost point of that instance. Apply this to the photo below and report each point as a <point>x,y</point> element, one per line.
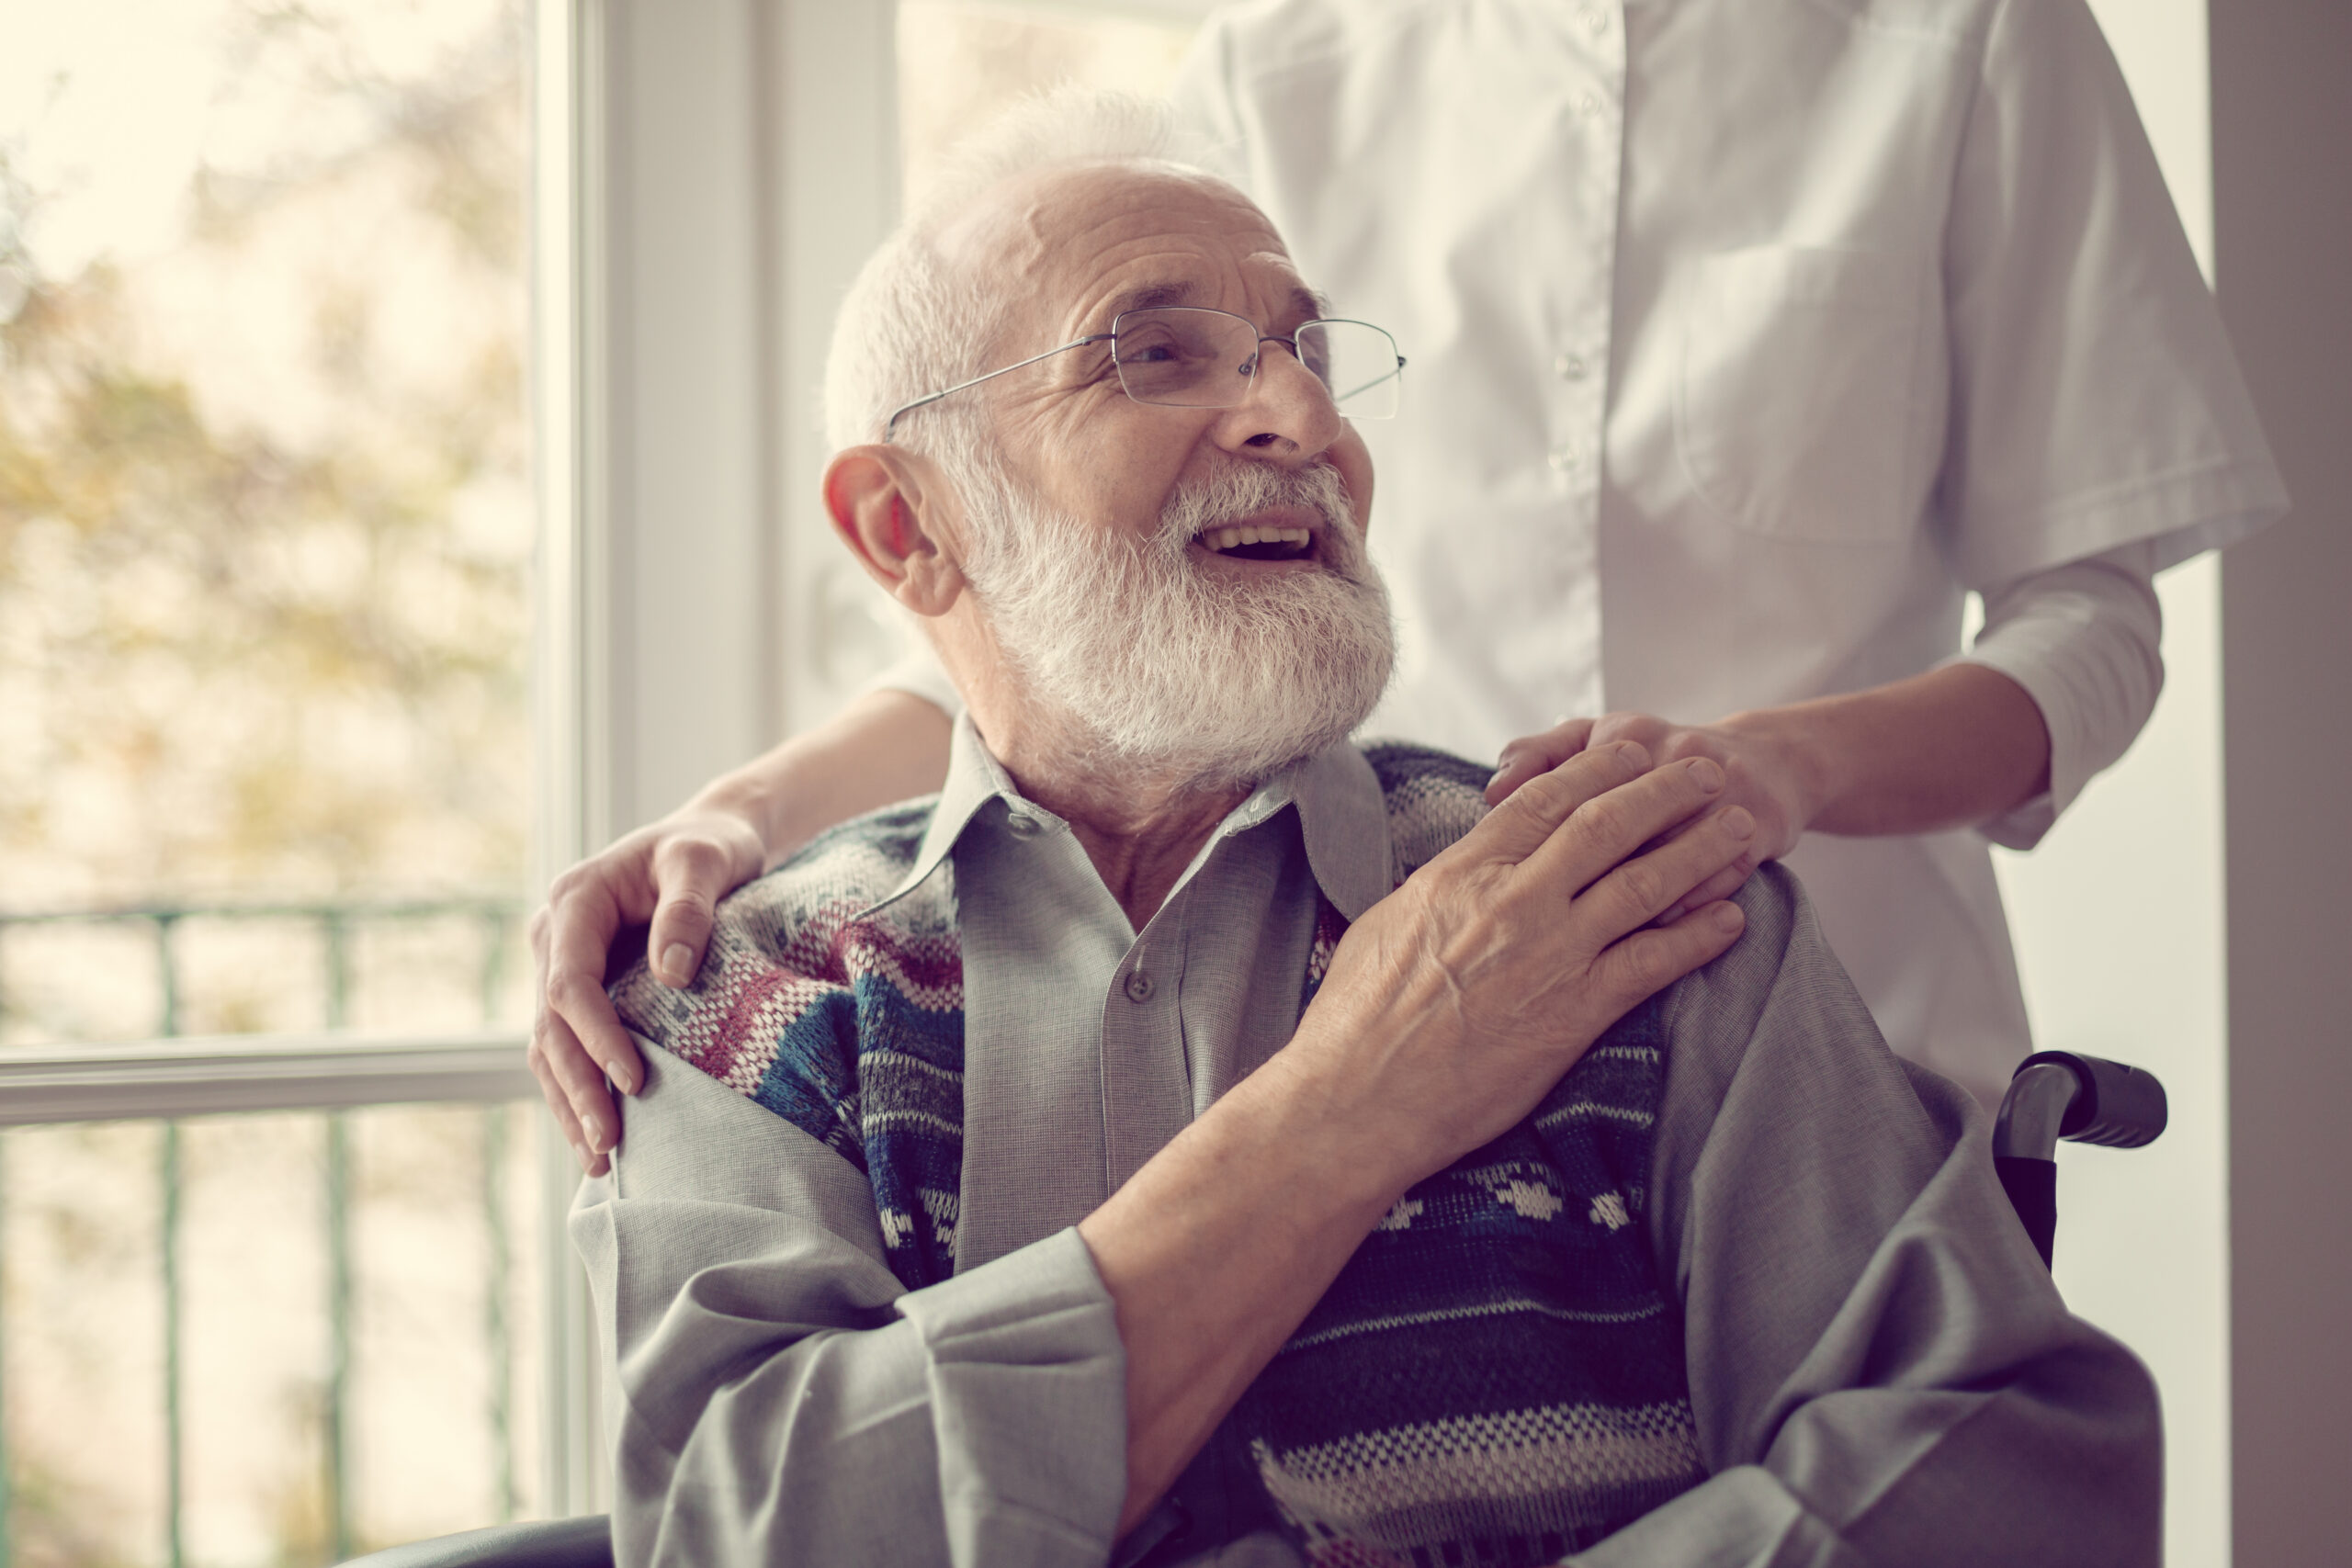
<point>1235,536</point>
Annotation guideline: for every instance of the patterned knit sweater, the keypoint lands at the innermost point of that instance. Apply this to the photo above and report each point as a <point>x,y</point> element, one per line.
<point>1495,1378</point>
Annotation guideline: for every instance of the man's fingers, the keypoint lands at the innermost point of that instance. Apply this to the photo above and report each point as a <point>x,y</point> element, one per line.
<point>1648,960</point>
<point>1532,755</point>
<point>1723,884</point>
<point>1607,829</point>
<point>1523,824</point>
<point>1636,893</point>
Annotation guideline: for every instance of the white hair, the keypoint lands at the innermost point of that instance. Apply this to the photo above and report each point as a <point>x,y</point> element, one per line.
<point>912,323</point>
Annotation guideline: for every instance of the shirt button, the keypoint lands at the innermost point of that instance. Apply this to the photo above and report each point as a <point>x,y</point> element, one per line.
<point>1587,106</point>
<point>1562,459</point>
<point>1571,367</point>
<point>1138,987</point>
<point>1024,826</point>
<point>1597,20</point>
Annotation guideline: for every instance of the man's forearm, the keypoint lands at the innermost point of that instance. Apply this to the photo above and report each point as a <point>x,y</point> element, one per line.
<point>886,745</point>
<point>1218,1247</point>
<point>1949,748</point>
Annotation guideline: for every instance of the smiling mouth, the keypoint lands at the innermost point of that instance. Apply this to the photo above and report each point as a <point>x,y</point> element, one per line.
<point>1246,542</point>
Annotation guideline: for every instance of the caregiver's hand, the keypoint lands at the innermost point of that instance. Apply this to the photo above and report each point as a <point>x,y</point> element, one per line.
<point>1766,773</point>
<point>884,746</point>
<point>671,872</point>
<point>1956,747</point>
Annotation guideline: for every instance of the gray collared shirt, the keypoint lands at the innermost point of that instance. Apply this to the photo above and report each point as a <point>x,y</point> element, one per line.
<point>1100,1043</point>
<point>1876,1353</point>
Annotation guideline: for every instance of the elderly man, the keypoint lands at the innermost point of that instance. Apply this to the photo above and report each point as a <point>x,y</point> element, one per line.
<point>1188,1137</point>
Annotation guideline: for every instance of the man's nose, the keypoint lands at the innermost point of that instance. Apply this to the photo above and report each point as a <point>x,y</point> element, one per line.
<point>1289,411</point>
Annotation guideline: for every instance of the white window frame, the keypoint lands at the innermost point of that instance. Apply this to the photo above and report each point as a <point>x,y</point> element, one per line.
<point>693,232</point>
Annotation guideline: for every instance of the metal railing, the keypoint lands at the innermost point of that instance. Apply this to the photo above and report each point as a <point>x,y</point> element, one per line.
<point>170,1076</point>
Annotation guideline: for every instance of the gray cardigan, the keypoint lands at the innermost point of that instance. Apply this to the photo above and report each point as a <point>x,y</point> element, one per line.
<point>1879,1367</point>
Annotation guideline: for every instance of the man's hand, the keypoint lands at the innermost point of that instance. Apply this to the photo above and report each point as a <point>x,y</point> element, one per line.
<point>1449,1011</point>
<point>1766,774</point>
<point>674,873</point>
<point>1456,1002</point>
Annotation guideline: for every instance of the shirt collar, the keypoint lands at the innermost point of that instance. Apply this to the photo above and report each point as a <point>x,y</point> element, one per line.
<point>1342,818</point>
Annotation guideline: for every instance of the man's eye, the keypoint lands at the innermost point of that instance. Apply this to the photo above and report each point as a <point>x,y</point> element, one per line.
<point>1148,353</point>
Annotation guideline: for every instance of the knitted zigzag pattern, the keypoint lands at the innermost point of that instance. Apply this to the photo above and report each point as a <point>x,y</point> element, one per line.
<point>1495,1378</point>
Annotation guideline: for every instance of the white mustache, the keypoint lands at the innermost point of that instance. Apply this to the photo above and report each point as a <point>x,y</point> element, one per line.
<point>1200,505</point>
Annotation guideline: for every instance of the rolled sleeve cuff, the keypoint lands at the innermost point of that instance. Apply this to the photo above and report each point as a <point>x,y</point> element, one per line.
<point>2083,640</point>
<point>1028,1396</point>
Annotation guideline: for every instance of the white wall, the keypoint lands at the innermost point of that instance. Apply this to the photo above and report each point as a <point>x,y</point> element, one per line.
<point>2118,924</point>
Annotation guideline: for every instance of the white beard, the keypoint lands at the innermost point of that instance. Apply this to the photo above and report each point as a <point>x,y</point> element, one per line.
<point>1151,665</point>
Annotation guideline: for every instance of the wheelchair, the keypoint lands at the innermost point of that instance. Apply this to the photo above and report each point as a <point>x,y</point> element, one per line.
<point>2054,1096</point>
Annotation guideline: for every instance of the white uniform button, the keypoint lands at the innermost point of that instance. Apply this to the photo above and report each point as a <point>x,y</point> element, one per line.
<point>1571,367</point>
<point>1587,106</point>
<point>1024,826</point>
<point>1138,987</point>
<point>1597,20</point>
<point>1563,460</point>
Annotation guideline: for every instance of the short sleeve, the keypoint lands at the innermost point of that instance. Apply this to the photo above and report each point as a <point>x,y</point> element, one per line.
<point>2096,399</point>
<point>919,673</point>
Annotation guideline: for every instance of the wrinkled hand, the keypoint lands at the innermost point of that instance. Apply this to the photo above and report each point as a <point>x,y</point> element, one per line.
<point>674,873</point>
<point>1765,775</point>
<point>1457,1001</point>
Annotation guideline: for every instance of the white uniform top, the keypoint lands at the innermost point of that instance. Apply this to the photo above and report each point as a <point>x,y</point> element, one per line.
<point>1746,337</point>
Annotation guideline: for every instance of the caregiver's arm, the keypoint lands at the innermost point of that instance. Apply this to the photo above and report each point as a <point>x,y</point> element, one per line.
<point>2061,678</point>
<point>886,745</point>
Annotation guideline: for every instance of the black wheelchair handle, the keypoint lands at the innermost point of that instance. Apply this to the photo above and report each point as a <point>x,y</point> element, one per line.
<point>2119,1106</point>
<point>2066,1095</point>
<point>2079,1098</point>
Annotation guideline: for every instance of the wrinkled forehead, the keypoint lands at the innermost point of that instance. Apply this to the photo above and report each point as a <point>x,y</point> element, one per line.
<point>1066,249</point>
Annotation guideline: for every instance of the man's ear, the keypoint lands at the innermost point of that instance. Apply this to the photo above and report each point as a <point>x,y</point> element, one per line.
<point>889,504</point>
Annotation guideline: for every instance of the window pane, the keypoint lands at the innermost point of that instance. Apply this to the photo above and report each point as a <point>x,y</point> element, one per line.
<point>264,502</point>
<point>266,523</point>
<point>961,60</point>
<point>428,1209</point>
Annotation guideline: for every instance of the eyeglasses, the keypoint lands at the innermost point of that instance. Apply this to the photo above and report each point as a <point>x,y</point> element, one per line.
<point>1190,356</point>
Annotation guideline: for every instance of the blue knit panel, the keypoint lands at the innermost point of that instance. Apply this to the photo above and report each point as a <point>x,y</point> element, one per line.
<point>812,1082</point>
<point>911,1110</point>
<point>1509,1306</point>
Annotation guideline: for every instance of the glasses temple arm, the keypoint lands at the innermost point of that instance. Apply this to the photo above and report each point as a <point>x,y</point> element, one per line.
<point>892,423</point>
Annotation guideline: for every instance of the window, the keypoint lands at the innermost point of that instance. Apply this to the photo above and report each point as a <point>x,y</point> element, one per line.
<point>266,534</point>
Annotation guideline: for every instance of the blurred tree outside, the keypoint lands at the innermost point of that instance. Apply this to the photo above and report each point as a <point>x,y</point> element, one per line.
<point>264,507</point>
<point>265,535</point>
